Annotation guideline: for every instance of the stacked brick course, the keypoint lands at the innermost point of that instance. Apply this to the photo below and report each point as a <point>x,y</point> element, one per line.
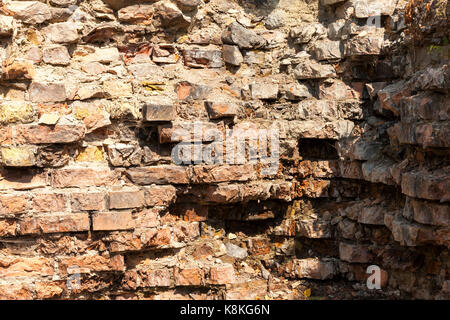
<point>91,93</point>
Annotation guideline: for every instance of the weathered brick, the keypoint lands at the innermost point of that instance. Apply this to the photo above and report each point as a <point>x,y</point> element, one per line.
<point>7,227</point>
<point>159,195</point>
<point>91,263</point>
<point>156,278</point>
<point>49,289</point>
<point>11,112</point>
<point>56,55</point>
<point>39,134</point>
<point>159,111</point>
<point>17,266</point>
<point>157,238</point>
<point>218,110</point>
<point>314,268</point>
<point>189,277</point>
<point>146,218</point>
<point>83,177</point>
<point>126,199</point>
<point>223,173</point>
<point>5,135</point>
<point>18,156</point>
<point>354,253</point>
<point>192,212</point>
<point>55,223</point>
<point>203,58</point>
<point>106,221</point>
<point>14,204</point>
<point>31,12</point>
<point>87,201</point>
<point>47,92</point>
<point>221,274</point>
<point>63,32</point>
<point>22,179</point>
<point>159,175</point>
<point>49,202</point>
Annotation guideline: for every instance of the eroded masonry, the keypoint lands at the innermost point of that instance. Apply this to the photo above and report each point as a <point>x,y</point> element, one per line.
<point>93,206</point>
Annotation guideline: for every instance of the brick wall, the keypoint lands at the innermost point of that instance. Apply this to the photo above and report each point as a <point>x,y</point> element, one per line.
<point>94,206</point>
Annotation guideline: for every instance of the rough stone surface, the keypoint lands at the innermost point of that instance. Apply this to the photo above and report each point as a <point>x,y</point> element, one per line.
<point>314,144</point>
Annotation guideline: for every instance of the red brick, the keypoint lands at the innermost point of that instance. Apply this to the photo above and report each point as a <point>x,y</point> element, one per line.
<point>91,263</point>
<point>156,238</point>
<point>84,177</point>
<point>108,221</point>
<point>159,175</point>
<point>73,222</point>
<point>146,218</point>
<point>49,202</point>
<point>160,195</point>
<point>124,241</point>
<point>223,274</point>
<point>16,266</point>
<point>36,134</point>
<point>156,278</point>
<point>189,277</point>
<point>14,204</point>
<point>92,201</point>
<point>223,173</point>
<point>22,179</point>
<point>126,199</point>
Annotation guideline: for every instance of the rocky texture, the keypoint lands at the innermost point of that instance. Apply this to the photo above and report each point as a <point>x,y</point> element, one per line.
<point>95,95</point>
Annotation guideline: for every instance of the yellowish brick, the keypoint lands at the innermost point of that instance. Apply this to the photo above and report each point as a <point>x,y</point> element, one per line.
<point>90,154</point>
<point>16,112</point>
<point>18,156</point>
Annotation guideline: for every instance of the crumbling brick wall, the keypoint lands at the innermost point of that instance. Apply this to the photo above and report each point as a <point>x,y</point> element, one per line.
<point>93,204</point>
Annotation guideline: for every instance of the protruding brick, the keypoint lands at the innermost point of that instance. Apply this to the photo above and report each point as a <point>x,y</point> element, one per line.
<point>108,221</point>
<point>55,223</point>
<point>18,156</point>
<point>159,111</point>
<point>22,179</point>
<point>39,134</point>
<point>159,175</point>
